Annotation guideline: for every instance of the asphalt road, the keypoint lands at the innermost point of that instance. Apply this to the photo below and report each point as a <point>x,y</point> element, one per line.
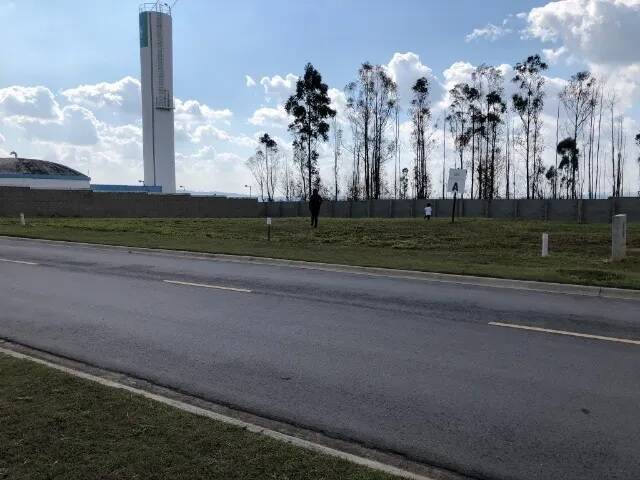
<point>403,365</point>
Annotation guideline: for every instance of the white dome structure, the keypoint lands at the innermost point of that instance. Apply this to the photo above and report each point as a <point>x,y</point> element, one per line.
<point>31,173</point>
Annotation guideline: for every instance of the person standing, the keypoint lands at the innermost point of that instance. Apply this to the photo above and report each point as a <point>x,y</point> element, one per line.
<point>314,206</point>
<point>428,211</point>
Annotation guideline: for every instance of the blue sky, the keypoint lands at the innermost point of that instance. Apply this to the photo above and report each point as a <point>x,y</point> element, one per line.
<point>70,43</point>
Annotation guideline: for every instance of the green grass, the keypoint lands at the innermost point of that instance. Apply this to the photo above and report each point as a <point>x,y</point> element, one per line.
<point>486,247</point>
<point>55,426</point>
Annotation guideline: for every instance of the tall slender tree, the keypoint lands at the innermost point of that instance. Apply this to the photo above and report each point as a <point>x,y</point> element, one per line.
<point>337,154</point>
<point>496,109</point>
<point>310,107</point>
<point>577,100</point>
<point>421,140</point>
<point>528,103</point>
<point>569,153</point>
<point>637,139</point>
<point>270,150</point>
<point>360,99</point>
<point>458,118</point>
<point>371,103</point>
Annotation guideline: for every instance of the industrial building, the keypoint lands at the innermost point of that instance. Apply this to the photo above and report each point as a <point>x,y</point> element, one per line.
<point>40,174</point>
<point>156,66</point>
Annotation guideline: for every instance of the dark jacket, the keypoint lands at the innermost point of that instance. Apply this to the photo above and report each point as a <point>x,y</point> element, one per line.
<point>314,202</point>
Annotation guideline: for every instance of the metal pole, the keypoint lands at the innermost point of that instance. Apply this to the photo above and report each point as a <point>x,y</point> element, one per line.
<point>453,210</point>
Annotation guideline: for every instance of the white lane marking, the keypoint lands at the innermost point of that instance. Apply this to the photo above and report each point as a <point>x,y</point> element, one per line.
<point>204,285</point>
<point>21,262</point>
<point>563,332</point>
<point>203,412</point>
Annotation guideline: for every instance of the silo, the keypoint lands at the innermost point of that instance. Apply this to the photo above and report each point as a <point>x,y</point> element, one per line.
<point>156,63</point>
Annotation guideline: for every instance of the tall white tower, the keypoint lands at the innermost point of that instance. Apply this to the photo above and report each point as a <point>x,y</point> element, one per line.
<point>156,62</point>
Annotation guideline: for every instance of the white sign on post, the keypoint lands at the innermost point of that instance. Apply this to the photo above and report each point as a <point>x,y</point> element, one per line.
<point>457,180</point>
<point>268,220</point>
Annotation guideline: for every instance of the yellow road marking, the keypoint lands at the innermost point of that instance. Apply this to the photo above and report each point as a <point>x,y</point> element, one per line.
<point>203,285</point>
<point>21,262</point>
<point>562,332</point>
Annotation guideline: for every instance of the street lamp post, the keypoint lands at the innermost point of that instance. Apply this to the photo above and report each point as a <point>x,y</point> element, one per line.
<point>249,187</point>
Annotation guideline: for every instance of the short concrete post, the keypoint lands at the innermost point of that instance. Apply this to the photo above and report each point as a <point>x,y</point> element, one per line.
<point>22,221</point>
<point>545,244</point>
<point>619,237</point>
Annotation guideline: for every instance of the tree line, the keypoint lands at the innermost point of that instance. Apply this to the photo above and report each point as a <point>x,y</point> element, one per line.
<point>499,139</point>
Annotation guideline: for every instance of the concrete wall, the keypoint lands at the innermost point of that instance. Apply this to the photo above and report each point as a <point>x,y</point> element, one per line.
<point>81,203</point>
<point>579,211</point>
<point>84,203</point>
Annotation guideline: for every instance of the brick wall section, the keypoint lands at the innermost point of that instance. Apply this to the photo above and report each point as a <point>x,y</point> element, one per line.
<point>83,203</point>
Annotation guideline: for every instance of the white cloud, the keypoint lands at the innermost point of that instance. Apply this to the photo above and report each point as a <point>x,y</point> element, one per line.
<point>339,103</point>
<point>97,129</point>
<point>279,88</point>
<point>489,32</point>
<point>207,170</point>
<point>553,55</point>
<point>121,96</point>
<point>194,111</point>
<point>270,117</point>
<point>405,69</point>
<point>76,125</point>
<point>209,133</point>
<point>250,82</point>
<point>602,35</point>
<point>35,102</point>
<point>599,31</point>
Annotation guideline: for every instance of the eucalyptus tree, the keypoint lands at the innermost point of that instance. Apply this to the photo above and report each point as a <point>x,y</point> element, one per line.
<point>459,117</point>
<point>528,103</point>
<point>360,110</point>
<point>371,103</point>
<point>496,107</point>
<point>488,81</point>
<point>577,100</point>
<point>337,154</point>
<point>569,153</point>
<point>269,150</point>
<point>310,107</point>
<point>420,112</point>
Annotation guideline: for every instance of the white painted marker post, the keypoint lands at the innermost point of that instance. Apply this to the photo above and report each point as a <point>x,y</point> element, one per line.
<point>545,244</point>
<point>619,237</point>
<point>22,221</point>
<point>269,229</point>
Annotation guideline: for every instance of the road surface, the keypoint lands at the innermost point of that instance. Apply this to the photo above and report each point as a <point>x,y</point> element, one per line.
<point>432,370</point>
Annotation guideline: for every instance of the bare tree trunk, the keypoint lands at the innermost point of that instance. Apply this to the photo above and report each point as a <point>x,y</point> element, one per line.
<point>598,146</point>
<point>613,151</point>
<point>555,180</point>
<point>444,149</point>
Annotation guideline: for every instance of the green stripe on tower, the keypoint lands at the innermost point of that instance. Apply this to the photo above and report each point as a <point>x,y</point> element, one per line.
<point>144,29</point>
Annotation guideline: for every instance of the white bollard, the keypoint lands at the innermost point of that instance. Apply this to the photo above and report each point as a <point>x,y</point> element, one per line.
<point>22,222</point>
<point>618,237</point>
<point>545,244</point>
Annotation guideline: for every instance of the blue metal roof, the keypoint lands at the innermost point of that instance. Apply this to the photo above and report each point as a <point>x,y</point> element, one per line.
<point>127,188</point>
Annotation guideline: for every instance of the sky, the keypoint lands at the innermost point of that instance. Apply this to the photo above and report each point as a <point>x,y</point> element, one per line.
<point>69,70</point>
